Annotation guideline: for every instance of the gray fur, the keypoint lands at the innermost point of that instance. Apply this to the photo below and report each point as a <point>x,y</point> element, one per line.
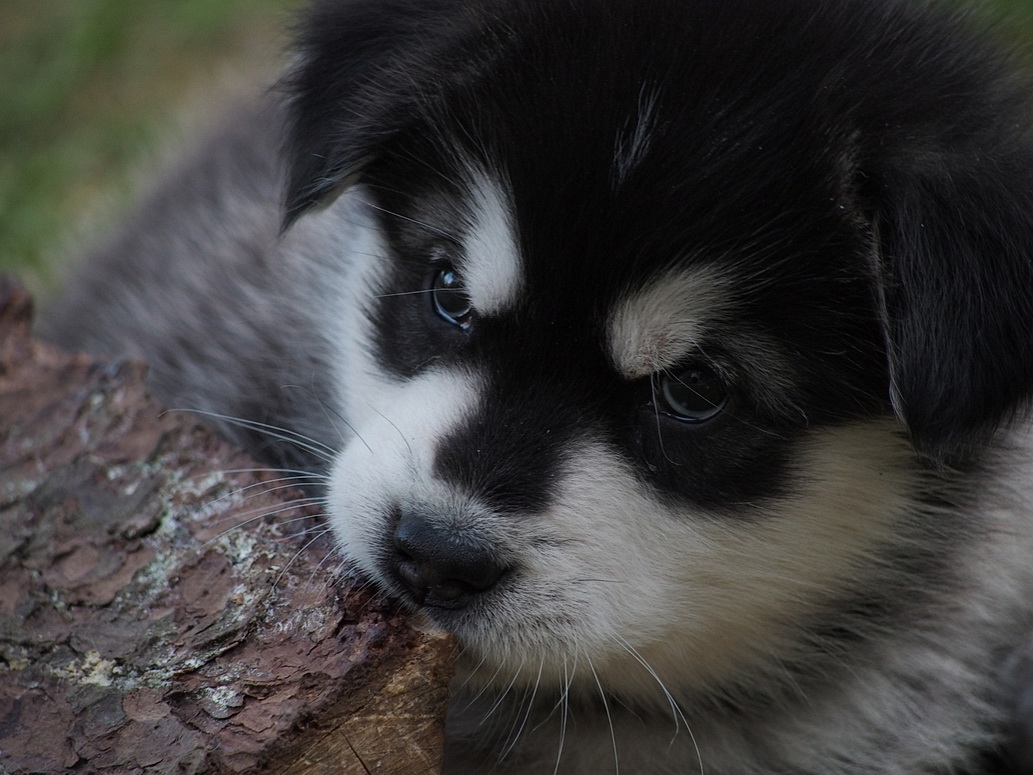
<point>199,283</point>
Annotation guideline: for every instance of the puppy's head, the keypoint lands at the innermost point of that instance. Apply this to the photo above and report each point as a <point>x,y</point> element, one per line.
<point>659,313</point>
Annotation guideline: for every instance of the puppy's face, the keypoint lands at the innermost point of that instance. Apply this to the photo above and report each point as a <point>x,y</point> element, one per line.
<point>625,372</point>
<point>585,443</point>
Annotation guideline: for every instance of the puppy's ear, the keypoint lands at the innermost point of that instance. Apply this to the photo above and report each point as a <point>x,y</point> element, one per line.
<point>955,227</point>
<point>362,72</point>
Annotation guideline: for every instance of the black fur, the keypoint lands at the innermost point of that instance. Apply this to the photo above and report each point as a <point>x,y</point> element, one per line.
<point>922,180</point>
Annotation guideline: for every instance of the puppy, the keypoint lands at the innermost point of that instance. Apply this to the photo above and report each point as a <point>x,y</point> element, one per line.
<point>673,355</point>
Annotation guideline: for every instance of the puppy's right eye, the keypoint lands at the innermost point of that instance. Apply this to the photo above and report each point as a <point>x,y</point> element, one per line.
<point>694,395</point>
<point>449,297</point>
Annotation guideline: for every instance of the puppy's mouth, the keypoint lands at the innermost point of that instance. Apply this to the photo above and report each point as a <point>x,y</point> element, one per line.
<point>435,564</point>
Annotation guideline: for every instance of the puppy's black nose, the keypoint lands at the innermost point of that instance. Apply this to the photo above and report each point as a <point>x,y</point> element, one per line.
<point>439,565</point>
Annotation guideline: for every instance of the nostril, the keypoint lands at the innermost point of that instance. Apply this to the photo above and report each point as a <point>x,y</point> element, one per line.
<point>440,565</point>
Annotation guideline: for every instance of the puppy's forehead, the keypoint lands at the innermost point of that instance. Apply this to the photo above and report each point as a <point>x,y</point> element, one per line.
<point>491,263</point>
<point>653,326</point>
<point>660,324</point>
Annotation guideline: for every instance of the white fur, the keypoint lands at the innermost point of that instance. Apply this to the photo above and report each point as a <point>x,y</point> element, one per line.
<point>388,464</point>
<point>352,291</point>
<point>657,326</point>
<point>491,265</point>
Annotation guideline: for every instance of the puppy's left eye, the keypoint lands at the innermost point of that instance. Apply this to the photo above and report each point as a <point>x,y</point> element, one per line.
<point>449,297</point>
<point>694,395</point>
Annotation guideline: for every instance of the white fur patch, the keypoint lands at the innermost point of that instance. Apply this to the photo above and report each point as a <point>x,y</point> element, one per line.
<point>344,249</point>
<point>389,463</point>
<point>656,327</point>
<point>491,266</point>
<point>361,263</point>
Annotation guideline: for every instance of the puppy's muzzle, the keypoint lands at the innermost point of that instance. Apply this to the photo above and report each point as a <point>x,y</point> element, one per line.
<point>440,565</point>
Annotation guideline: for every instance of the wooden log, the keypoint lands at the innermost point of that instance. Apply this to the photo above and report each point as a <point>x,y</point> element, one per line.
<point>166,606</point>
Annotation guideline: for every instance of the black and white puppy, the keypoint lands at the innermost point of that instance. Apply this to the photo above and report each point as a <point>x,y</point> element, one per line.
<point>682,348</point>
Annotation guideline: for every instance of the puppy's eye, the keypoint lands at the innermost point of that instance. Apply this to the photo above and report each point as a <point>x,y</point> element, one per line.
<point>449,297</point>
<point>694,395</point>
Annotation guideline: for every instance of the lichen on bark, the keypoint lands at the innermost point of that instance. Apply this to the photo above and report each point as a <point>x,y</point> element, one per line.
<point>152,619</point>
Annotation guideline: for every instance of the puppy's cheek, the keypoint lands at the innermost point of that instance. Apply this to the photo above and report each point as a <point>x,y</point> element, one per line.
<point>585,587</point>
<point>358,507</point>
<point>388,462</point>
<point>613,573</point>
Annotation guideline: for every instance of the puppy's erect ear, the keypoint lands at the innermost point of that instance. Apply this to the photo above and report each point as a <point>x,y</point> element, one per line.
<point>955,226</point>
<point>363,72</point>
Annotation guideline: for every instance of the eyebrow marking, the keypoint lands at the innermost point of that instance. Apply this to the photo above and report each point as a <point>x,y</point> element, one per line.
<point>654,328</point>
<point>491,265</point>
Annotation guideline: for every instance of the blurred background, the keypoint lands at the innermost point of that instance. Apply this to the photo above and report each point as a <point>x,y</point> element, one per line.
<point>94,91</point>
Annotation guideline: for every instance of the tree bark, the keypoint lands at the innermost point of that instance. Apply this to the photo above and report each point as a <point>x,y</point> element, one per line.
<point>166,606</point>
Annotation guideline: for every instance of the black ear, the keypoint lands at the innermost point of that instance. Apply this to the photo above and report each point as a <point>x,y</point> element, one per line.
<point>955,229</point>
<point>363,71</point>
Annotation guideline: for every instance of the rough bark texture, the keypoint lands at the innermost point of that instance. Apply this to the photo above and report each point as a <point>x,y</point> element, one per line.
<point>164,607</point>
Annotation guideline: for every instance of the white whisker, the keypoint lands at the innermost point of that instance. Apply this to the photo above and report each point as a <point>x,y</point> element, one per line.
<point>330,413</point>
<point>398,430</point>
<point>656,416</point>
<point>422,224</point>
<point>471,674</point>
<point>564,703</point>
<point>502,695</point>
<point>282,483</point>
<point>257,515</point>
<point>317,448</point>
<point>421,292</point>
<point>516,735</point>
<point>298,554</point>
<point>490,682</point>
<point>676,711</point>
<point>609,716</point>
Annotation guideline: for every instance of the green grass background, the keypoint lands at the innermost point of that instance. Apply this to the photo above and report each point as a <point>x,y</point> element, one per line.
<point>88,88</point>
